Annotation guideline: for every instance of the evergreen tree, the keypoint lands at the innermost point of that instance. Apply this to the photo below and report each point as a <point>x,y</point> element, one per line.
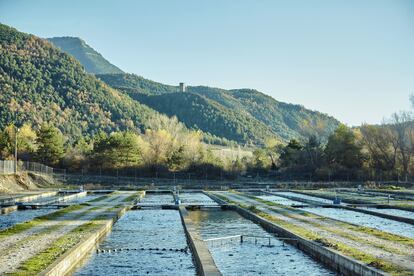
<point>50,143</point>
<point>343,151</point>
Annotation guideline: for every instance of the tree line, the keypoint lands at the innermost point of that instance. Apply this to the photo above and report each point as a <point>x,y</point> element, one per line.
<point>370,152</point>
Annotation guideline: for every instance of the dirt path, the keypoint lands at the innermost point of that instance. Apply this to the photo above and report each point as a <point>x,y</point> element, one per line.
<point>327,228</point>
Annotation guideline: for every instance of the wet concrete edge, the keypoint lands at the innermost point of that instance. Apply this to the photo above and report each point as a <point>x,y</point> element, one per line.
<point>202,257</point>
<point>332,259</point>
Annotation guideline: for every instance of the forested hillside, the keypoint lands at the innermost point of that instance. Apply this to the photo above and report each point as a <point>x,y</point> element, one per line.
<point>198,112</point>
<point>41,84</point>
<point>248,111</point>
<point>93,61</point>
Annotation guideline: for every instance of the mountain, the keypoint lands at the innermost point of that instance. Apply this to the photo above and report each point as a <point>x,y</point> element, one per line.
<point>244,115</point>
<point>41,84</point>
<point>93,61</point>
<point>57,87</point>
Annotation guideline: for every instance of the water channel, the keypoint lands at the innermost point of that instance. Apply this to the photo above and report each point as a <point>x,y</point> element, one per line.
<point>196,198</point>
<point>249,257</point>
<point>383,224</point>
<point>19,216</point>
<point>314,198</point>
<point>139,233</point>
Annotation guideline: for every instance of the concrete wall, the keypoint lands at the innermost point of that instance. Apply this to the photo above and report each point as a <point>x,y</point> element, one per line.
<point>73,196</point>
<point>26,198</point>
<point>9,209</point>
<point>202,256</point>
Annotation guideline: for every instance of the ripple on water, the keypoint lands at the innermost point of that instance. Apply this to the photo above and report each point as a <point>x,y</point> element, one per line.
<point>249,258</point>
<point>143,229</point>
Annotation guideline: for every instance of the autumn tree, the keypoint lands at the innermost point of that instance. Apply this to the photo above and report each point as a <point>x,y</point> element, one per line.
<point>26,142</point>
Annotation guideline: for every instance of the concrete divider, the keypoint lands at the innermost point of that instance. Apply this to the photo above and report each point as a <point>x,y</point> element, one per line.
<point>8,209</point>
<point>308,201</point>
<point>202,256</point>
<point>26,198</point>
<point>329,257</point>
<point>75,195</point>
<point>369,212</point>
<point>70,259</point>
<point>378,214</point>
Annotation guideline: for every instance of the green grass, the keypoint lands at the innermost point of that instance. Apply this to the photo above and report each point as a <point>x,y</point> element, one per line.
<point>102,197</point>
<point>344,249</point>
<point>41,261</point>
<point>24,226</point>
<point>366,230</point>
<point>133,197</point>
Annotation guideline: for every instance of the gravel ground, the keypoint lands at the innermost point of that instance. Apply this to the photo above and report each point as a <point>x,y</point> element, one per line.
<point>405,259</point>
<point>18,248</point>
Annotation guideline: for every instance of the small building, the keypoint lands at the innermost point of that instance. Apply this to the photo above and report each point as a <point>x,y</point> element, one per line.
<point>182,87</point>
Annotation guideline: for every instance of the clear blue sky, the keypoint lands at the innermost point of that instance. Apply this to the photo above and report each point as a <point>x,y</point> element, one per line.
<point>352,59</point>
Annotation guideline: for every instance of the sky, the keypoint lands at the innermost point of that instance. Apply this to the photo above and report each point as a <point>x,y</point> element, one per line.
<point>352,59</point>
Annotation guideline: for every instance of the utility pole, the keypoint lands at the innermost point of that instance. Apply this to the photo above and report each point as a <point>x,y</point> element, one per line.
<point>15,149</point>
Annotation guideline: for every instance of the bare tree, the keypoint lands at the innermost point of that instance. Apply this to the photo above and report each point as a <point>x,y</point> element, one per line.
<point>381,145</point>
<point>402,125</point>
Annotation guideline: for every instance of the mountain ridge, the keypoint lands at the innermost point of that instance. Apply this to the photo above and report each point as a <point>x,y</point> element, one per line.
<point>42,84</point>
<point>93,61</point>
<point>243,115</point>
<point>285,121</point>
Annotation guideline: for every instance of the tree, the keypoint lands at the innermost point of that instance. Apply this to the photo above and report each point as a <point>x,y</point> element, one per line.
<point>120,149</point>
<point>343,152</point>
<point>402,125</point>
<point>290,153</point>
<point>26,142</point>
<point>381,145</point>
<point>50,143</point>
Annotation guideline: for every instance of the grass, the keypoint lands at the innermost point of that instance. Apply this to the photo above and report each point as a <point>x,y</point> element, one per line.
<point>366,230</point>
<point>24,226</point>
<point>41,261</point>
<point>100,198</point>
<point>344,249</point>
<point>45,231</point>
<point>132,197</point>
<point>405,205</point>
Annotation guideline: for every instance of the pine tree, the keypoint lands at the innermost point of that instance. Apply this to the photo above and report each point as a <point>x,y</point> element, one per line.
<point>50,143</point>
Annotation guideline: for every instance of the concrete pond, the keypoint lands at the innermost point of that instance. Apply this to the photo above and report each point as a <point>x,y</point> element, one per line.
<point>383,224</point>
<point>152,235</point>
<point>143,242</point>
<point>254,256</point>
<point>10,219</point>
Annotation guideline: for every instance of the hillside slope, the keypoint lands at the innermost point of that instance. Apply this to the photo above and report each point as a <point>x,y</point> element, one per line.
<point>41,84</point>
<point>198,112</point>
<point>93,61</point>
<point>264,114</point>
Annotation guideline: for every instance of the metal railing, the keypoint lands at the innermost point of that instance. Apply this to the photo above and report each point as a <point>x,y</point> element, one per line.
<point>7,167</point>
<point>246,238</point>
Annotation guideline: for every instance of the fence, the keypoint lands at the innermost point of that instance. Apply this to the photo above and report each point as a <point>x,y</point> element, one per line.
<point>7,167</point>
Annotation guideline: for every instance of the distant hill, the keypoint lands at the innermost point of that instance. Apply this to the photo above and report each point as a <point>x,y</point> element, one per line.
<point>93,61</point>
<point>244,115</point>
<point>199,112</point>
<point>41,84</point>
